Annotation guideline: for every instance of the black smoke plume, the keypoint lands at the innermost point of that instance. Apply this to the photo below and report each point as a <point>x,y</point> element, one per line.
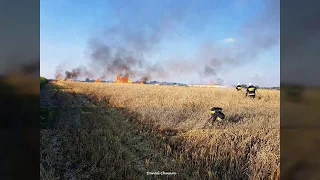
<point>126,50</point>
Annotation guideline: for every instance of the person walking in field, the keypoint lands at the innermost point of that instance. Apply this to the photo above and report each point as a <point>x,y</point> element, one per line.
<point>239,87</point>
<point>251,91</point>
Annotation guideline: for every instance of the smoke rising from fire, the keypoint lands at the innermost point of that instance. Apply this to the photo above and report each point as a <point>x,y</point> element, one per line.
<point>127,49</point>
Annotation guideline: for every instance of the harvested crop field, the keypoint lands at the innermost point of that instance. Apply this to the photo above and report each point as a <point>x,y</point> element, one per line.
<point>124,131</point>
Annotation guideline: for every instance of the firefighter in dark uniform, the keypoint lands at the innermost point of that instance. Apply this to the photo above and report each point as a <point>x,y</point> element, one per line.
<point>251,91</point>
<point>216,114</point>
<point>238,87</point>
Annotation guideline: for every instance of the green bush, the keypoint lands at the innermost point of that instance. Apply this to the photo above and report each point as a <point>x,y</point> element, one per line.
<point>43,81</point>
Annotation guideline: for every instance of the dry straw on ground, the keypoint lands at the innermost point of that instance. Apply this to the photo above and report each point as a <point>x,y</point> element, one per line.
<point>171,118</point>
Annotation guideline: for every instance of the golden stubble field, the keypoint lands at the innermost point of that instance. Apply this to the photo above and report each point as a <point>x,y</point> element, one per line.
<point>248,147</point>
<point>187,107</point>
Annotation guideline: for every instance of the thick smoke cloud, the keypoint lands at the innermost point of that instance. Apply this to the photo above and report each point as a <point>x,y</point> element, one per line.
<point>209,71</point>
<point>119,61</point>
<point>124,49</point>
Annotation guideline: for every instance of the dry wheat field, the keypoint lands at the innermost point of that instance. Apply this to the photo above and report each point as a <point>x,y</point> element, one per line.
<point>123,131</point>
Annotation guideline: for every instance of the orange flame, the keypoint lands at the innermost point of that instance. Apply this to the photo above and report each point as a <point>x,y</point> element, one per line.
<point>60,79</point>
<point>97,81</point>
<point>142,82</point>
<point>123,80</point>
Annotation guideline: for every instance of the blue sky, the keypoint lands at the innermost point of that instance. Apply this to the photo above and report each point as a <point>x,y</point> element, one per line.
<point>188,33</point>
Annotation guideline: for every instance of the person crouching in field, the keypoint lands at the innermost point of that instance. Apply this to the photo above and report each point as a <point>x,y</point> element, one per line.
<point>216,115</point>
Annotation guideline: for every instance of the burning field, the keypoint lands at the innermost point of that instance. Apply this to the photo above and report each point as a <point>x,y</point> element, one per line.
<point>124,131</point>
<point>123,80</point>
<point>121,132</point>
